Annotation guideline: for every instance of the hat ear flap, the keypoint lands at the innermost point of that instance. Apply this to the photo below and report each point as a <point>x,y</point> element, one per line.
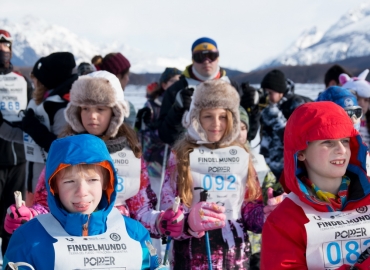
<point>73,117</point>
<point>343,78</point>
<point>363,74</point>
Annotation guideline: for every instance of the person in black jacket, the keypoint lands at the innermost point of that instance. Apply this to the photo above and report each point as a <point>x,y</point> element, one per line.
<point>281,102</point>
<point>177,98</point>
<point>15,91</point>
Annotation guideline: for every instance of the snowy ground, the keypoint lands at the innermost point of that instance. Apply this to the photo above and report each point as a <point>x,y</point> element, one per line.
<point>136,94</point>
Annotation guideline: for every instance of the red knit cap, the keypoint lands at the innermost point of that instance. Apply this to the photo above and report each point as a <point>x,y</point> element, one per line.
<point>115,63</point>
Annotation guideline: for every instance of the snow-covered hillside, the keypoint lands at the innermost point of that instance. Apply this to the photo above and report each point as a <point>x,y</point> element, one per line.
<point>34,38</point>
<point>348,37</point>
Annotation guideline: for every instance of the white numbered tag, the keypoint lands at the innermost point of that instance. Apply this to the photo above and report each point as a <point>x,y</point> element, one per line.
<point>223,173</point>
<point>128,169</point>
<point>13,96</point>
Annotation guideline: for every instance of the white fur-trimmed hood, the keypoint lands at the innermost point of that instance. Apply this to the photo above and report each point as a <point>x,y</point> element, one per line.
<point>212,94</point>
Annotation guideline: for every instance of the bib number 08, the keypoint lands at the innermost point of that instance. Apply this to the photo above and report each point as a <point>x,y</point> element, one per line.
<point>347,252</point>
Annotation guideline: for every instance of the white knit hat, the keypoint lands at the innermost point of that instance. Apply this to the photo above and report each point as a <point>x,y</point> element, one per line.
<point>99,88</point>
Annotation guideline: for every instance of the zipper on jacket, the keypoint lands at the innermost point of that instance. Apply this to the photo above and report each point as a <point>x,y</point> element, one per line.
<point>85,227</point>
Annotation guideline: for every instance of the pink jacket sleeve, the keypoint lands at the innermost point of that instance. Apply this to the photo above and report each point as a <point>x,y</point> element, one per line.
<point>40,199</point>
<point>169,193</point>
<point>142,205</point>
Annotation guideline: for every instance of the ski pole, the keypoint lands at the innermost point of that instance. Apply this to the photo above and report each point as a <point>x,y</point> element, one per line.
<point>175,208</point>
<point>203,198</point>
<point>164,164</point>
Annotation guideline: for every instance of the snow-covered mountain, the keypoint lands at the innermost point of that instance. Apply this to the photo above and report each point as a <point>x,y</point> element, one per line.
<point>34,38</point>
<point>348,37</point>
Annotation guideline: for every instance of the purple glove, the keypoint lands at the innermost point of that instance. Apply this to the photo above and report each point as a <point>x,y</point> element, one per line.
<point>171,223</point>
<point>16,217</point>
<point>205,216</point>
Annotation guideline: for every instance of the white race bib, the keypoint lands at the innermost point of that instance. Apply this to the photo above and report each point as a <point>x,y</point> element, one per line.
<point>114,249</point>
<point>13,96</point>
<point>33,151</point>
<point>335,238</point>
<point>223,172</point>
<point>128,168</point>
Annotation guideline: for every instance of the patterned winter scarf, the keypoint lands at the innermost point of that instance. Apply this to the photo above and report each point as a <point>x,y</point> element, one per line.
<point>335,201</point>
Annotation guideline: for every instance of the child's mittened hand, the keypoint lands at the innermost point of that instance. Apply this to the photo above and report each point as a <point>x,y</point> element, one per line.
<point>16,217</point>
<point>205,216</point>
<point>170,223</point>
<point>272,202</point>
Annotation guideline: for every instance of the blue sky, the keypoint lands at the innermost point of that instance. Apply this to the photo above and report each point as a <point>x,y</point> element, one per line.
<point>247,32</point>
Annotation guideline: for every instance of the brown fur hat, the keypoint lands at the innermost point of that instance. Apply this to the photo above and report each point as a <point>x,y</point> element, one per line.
<point>212,94</point>
<point>99,88</point>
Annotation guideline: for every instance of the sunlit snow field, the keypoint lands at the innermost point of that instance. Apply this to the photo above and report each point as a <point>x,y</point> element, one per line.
<point>136,94</point>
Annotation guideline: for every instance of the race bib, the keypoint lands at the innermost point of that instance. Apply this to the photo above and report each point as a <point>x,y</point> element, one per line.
<point>33,151</point>
<point>113,249</point>
<point>13,96</point>
<point>128,168</point>
<point>223,173</point>
<point>335,238</point>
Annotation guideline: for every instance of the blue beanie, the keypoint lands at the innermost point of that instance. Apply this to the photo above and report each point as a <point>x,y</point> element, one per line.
<point>339,95</point>
<point>209,45</point>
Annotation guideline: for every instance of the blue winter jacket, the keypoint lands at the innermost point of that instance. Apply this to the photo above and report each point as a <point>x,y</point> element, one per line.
<point>32,244</point>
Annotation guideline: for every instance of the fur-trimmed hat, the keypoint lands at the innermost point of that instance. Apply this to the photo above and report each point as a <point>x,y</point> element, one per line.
<point>356,84</point>
<point>99,88</point>
<point>212,94</point>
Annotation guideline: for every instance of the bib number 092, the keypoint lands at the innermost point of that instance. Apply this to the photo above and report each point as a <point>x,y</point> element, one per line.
<point>219,182</point>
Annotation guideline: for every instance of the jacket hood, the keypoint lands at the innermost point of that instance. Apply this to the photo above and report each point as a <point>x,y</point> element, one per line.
<point>73,150</point>
<point>320,121</point>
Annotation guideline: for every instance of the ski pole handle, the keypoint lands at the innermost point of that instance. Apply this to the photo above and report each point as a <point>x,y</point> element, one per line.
<point>18,199</point>
<point>176,204</point>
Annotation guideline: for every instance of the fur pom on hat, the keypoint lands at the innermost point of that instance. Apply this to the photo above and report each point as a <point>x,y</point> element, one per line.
<point>99,88</point>
<point>356,84</point>
<point>212,94</point>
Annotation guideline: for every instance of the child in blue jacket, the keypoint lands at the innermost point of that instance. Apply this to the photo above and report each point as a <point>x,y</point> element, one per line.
<point>83,230</point>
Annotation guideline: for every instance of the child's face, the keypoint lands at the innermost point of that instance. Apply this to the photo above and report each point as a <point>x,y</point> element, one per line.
<point>80,189</point>
<point>214,123</point>
<point>326,160</point>
<point>96,119</point>
<point>243,133</point>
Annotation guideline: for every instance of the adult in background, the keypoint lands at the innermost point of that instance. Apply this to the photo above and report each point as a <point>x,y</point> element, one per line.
<point>177,98</point>
<point>118,65</point>
<point>146,124</point>
<point>85,68</point>
<point>44,118</point>
<point>14,94</point>
<point>332,75</point>
<point>281,104</point>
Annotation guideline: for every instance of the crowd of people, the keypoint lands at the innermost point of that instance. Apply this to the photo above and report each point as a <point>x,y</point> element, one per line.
<point>102,181</point>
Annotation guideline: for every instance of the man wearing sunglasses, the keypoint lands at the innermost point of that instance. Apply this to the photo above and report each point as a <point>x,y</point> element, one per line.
<point>15,92</point>
<point>177,98</point>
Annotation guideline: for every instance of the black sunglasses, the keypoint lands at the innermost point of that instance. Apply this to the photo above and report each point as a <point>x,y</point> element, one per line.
<point>354,110</point>
<point>202,56</point>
